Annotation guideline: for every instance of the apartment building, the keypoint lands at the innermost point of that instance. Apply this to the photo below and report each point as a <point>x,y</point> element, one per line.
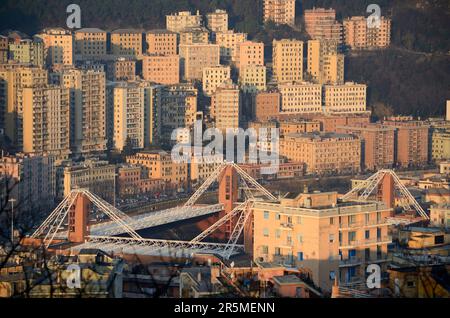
<point>250,53</point>
<point>321,236</point>
<point>287,61</point>
<point>226,106</point>
<point>279,11</point>
<point>58,46</point>
<point>13,78</point>
<point>217,21</point>
<point>162,42</point>
<point>321,23</point>
<point>30,179</point>
<point>3,49</point>
<point>440,215</point>
<point>132,180</point>
<point>126,115</point>
<point>345,98</point>
<point>360,36</point>
<point>252,78</point>
<point>289,127</point>
<point>377,145</point>
<point>267,105</point>
<point>214,77</point>
<point>161,69</point>
<point>122,69</point>
<point>323,153</point>
<point>324,64</point>
<point>331,122</point>
<point>95,175</point>
<point>411,141</point>
<point>90,43</point>
<point>152,113</point>
<point>160,166</point>
<point>88,108</point>
<point>126,42</point>
<point>300,97</point>
<point>440,147</point>
<point>27,51</point>
<point>194,57</point>
<point>228,42</point>
<point>182,20</point>
<point>194,35</point>
<point>46,122</point>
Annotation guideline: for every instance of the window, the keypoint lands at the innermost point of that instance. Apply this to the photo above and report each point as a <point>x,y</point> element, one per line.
<point>277,233</point>
<point>331,221</point>
<point>332,275</point>
<point>266,215</point>
<point>299,220</point>
<point>331,238</point>
<point>351,236</point>
<point>300,256</point>
<point>300,239</point>
<point>265,249</point>
<point>277,251</point>
<point>277,216</point>
<point>378,233</point>
<point>266,232</point>
<point>367,234</point>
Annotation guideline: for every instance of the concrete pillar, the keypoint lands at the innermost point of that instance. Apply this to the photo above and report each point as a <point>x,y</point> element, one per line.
<point>387,191</point>
<point>228,194</point>
<point>78,219</point>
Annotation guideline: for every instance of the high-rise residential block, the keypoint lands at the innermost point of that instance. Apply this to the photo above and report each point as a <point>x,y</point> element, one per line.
<point>359,34</point>
<point>287,60</point>
<point>334,241</point>
<point>3,49</point>
<point>126,115</point>
<point>279,11</point>
<point>226,106</point>
<point>267,105</point>
<point>228,42</point>
<point>194,35</point>
<point>58,46</point>
<point>122,69</point>
<point>27,51</point>
<point>252,78</point>
<point>161,42</point>
<point>301,97</point>
<point>288,127</point>
<point>377,144</point>
<point>250,53</point>
<point>217,21</point>
<point>195,57</point>
<point>126,42</point>
<point>323,152</point>
<point>182,20</point>
<point>346,98</point>
<point>90,43</point>
<point>213,77</point>
<point>152,113</point>
<point>324,64</point>
<point>161,69</point>
<point>440,148</point>
<point>46,122</point>
<point>321,23</point>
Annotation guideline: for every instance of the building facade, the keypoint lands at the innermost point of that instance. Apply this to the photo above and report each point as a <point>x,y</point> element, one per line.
<point>287,61</point>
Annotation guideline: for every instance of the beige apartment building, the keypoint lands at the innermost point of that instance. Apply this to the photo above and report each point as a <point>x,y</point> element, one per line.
<point>88,107</point>
<point>152,113</point>
<point>267,105</point>
<point>321,236</point>
<point>182,20</point>
<point>122,69</point>
<point>217,21</point>
<point>289,127</point>
<point>126,42</point>
<point>27,51</point>
<point>323,153</point>
<point>194,35</point>
<point>440,147</point>
<point>126,103</point>
<point>377,144</point>
<point>279,11</point>
<point>58,46</point>
<point>90,43</point>
<point>345,98</point>
<point>226,106</point>
<point>324,64</point>
<point>195,57</point>
<point>301,97</point>
<point>3,49</point>
<point>46,122</point>
<point>160,166</point>
<point>252,78</point>
<point>213,77</point>
<point>287,61</point>
<point>358,35</point>
<point>228,42</point>
<point>321,23</point>
<point>161,69</point>
<point>162,42</point>
<point>250,53</point>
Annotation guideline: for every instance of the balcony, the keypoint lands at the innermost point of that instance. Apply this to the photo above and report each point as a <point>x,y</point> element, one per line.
<point>351,261</point>
<point>371,223</point>
<point>288,226</point>
<point>361,243</point>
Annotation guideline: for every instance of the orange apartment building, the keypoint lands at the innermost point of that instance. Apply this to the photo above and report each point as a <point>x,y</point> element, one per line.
<point>160,166</point>
<point>359,36</point>
<point>250,53</point>
<point>321,236</point>
<point>377,145</point>
<point>126,42</point>
<point>279,11</point>
<point>267,105</point>
<point>288,127</point>
<point>122,69</point>
<point>321,23</point>
<point>287,60</point>
<point>164,70</point>
<point>132,180</point>
<point>194,57</point>
<point>301,98</point>
<point>228,42</point>
<point>411,141</point>
<point>58,46</point>
<point>90,43</point>
<point>161,42</point>
<point>323,153</point>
